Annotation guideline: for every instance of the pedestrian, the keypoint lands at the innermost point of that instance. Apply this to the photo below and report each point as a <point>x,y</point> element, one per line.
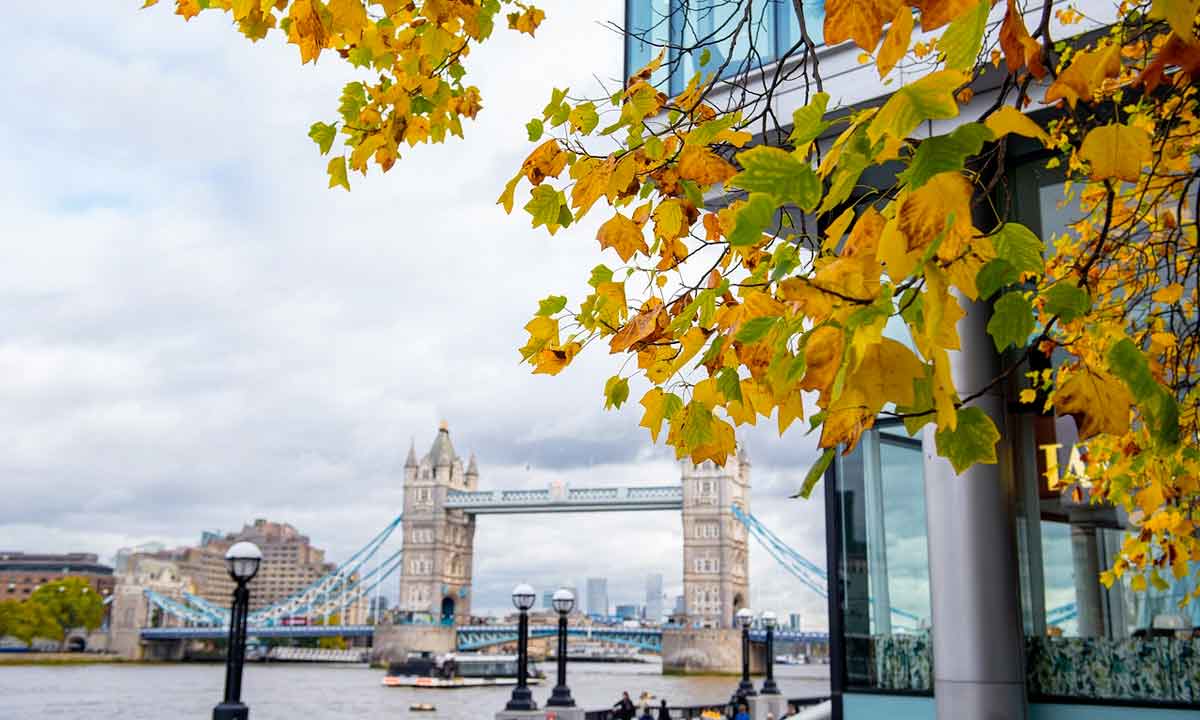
<point>743,713</point>
<point>663,712</point>
<point>624,709</point>
<point>646,713</point>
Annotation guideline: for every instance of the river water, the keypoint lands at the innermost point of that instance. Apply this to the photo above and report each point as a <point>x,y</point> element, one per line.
<point>332,692</point>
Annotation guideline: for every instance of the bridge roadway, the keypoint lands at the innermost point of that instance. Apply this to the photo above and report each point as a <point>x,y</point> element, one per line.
<point>560,498</point>
<point>469,637</point>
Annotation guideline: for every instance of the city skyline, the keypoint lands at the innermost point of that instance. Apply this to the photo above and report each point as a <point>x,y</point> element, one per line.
<point>182,358</point>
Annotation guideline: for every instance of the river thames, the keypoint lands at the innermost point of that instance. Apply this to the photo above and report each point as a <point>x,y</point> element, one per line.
<point>333,692</point>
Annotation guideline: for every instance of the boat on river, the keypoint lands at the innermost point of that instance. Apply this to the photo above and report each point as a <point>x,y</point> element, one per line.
<point>457,670</point>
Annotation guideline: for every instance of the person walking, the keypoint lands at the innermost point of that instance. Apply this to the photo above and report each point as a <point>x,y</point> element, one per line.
<point>624,709</point>
<point>743,713</point>
<point>663,712</point>
<point>646,713</point>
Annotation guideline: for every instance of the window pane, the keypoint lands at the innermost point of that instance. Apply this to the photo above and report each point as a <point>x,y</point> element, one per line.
<point>738,35</point>
<point>648,33</point>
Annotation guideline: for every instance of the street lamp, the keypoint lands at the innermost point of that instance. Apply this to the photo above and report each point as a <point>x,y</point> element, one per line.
<point>769,621</point>
<point>564,602</point>
<point>745,618</point>
<point>522,698</point>
<point>242,561</point>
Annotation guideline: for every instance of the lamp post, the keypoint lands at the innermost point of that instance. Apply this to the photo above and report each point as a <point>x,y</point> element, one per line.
<point>769,621</point>
<point>242,561</point>
<point>745,689</point>
<point>564,602</point>
<point>522,699</point>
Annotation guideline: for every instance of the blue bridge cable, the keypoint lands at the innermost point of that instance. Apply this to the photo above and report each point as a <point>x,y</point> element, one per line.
<point>351,565</point>
<point>343,597</point>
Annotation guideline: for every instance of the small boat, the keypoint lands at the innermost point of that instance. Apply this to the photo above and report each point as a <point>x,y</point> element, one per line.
<point>422,707</point>
<point>455,670</point>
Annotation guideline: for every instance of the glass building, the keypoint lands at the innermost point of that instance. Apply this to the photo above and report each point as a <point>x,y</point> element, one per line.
<point>956,596</point>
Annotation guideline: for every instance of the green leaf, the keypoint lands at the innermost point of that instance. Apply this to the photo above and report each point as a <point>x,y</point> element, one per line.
<point>753,330</point>
<point>361,56</point>
<point>714,350</point>
<point>930,98</point>
<point>535,128</point>
<point>779,173</point>
<point>973,441</point>
<point>1011,322</point>
<point>584,118</point>
<point>943,153</point>
<point>544,205</point>
<point>730,384</point>
<point>697,425</point>
<point>752,219</point>
<point>1066,301</point>
<point>918,414</point>
<point>354,99</point>
<point>337,172</point>
<point>323,135</point>
<point>996,274</point>
<point>815,473</point>
<point>807,122</point>
<point>551,304</point>
<point>600,274</point>
<point>962,40</point>
<point>1020,247</point>
<point>705,57</point>
<point>616,392</point>
<point>1156,403</point>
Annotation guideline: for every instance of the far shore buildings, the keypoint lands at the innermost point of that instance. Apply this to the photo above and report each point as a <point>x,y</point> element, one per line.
<point>22,573</point>
<point>290,564</point>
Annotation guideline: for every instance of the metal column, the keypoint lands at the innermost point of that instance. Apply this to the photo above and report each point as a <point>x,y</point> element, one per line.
<point>978,648</point>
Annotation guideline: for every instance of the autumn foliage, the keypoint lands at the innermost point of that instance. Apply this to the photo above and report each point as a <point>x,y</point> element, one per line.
<point>779,300</point>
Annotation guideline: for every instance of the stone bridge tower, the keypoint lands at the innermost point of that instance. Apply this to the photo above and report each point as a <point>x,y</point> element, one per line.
<point>716,570</point>
<point>435,580</point>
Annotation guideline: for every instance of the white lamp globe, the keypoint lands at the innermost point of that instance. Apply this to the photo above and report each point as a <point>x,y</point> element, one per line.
<point>243,560</point>
<point>564,601</point>
<point>523,597</point>
<point>745,617</point>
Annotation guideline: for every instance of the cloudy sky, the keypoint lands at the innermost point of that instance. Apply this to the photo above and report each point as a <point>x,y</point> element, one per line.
<point>197,333</point>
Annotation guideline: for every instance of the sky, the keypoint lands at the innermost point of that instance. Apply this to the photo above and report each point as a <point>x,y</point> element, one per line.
<point>197,333</point>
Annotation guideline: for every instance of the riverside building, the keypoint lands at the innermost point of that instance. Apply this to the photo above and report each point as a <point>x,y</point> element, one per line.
<point>955,596</point>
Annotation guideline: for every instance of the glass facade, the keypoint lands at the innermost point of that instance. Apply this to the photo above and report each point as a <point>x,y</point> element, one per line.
<point>734,36</point>
<point>1084,643</point>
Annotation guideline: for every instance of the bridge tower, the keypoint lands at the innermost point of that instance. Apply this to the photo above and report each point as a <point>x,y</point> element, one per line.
<point>435,580</point>
<point>716,571</point>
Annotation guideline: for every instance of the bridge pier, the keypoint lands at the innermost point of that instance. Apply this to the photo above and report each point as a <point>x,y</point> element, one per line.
<point>708,651</point>
<point>394,642</point>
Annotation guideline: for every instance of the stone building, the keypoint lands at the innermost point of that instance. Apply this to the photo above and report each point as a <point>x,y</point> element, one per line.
<point>716,573</point>
<point>435,580</point>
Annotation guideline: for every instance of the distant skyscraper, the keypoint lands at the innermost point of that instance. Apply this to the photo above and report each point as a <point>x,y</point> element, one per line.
<point>547,599</point>
<point>627,612</point>
<point>794,621</point>
<point>597,596</point>
<point>654,597</point>
<point>680,606</point>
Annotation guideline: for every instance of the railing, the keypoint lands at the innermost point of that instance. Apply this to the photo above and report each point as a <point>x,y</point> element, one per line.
<point>692,712</point>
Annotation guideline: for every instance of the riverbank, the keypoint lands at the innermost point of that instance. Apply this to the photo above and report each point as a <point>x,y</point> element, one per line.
<point>55,658</point>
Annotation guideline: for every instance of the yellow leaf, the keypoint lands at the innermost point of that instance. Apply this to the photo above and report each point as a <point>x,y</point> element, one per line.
<point>895,45</point>
<point>669,220</point>
<point>551,360</point>
<point>1116,151</point>
<point>936,13</point>
<point>349,18</point>
<point>823,358</point>
<point>886,374</point>
<point>590,186</point>
<point>944,395</point>
<point>689,345</point>
<point>652,419</point>
<point>546,160</point>
<point>1028,396</point>
<point>847,418</point>
<point>506,198</point>
<point>1084,75</point>
<point>894,253</point>
<point>923,214</point>
<point>1138,583</point>
<point>858,20</point>
<point>1099,402</point>
<point>1168,295</point>
<point>1011,120</point>
<point>621,182</point>
<point>643,326</point>
<point>1150,498</point>
<point>623,235</point>
<point>837,228</point>
<point>1179,14</point>
<point>699,164</point>
<point>306,30</point>
<point>790,410</point>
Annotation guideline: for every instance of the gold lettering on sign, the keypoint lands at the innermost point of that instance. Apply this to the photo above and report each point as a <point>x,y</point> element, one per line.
<point>1076,467</point>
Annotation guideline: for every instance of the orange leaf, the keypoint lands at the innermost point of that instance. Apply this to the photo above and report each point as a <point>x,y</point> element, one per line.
<point>896,43</point>
<point>623,235</point>
<point>859,20</point>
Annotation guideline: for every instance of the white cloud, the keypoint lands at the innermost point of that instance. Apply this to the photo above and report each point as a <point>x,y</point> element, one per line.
<point>196,332</point>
